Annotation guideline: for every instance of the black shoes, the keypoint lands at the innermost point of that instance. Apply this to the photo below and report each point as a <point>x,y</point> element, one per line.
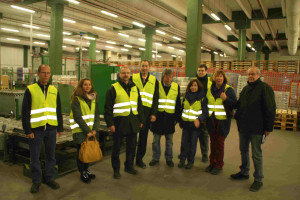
<point>92,176</point>
<point>170,163</point>
<point>84,177</point>
<point>215,171</point>
<point>189,166</point>
<point>53,185</point>
<point>117,175</point>
<point>141,164</point>
<point>131,171</point>
<point>153,162</point>
<point>35,188</point>
<point>204,158</point>
<point>239,176</point>
<point>181,164</point>
<point>256,186</point>
<point>209,168</point>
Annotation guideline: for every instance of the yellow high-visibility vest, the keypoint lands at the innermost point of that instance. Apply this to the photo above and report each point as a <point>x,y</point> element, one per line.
<point>88,115</point>
<point>146,91</point>
<point>43,110</point>
<point>216,105</point>
<point>124,104</point>
<point>167,103</point>
<point>191,112</point>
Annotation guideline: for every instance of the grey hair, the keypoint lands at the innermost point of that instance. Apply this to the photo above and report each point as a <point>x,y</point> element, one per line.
<point>257,70</point>
<point>166,72</point>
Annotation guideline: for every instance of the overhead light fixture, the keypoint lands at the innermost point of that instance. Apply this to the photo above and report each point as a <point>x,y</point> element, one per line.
<point>176,38</point>
<point>99,28</point>
<point>84,49</point>
<point>66,33</point>
<point>139,24</point>
<point>110,47</point>
<point>48,36</point>
<point>154,51</point>
<point>70,40</point>
<point>64,46</point>
<point>29,26</point>
<point>173,55</point>
<point>228,27</point>
<point>141,39</point>
<point>161,32</point>
<point>142,49</point>
<point>10,30</point>
<point>171,47</point>
<point>23,9</point>
<point>73,1</point>
<point>158,56</point>
<point>41,43</point>
<point>110,42</point>
<point>124,35</point>
<point>159,44</point>
<point>202,48</point>
<point>253,49</point>
<point>208,50</point>
<point>215,16</point>
<point>180,50</point>
<point>124,50</point>
<point>126,45</point>
<point>69,20</point>
<point>88,43</point>
<point>249,45</point>
<point>13,39</point>
<point>97,51</point>
<point>221,55</point>
<point>108,13</point>
<point>89,38</point>
<point>215,52</point>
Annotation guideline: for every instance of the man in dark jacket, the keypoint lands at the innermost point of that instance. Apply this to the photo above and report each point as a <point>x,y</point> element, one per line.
<point>255,119</point>
<point>123,116</point>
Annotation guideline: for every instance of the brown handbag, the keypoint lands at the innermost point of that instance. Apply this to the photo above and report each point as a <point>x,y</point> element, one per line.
<point>90,151</point>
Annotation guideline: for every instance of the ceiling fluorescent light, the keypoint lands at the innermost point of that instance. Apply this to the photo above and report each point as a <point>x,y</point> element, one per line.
<point>228,27</point>
<point>23,9</point>
<point>171,47</point>
<point>221,55</point>
<point>48,36</point>
<point>66,33</point>
<point>249,45</point>
<point>10,30</point>
<point>109,47</point>
<point>141,39</point>
<point>29,26</point>
<point>161,32</point>
<point>173,55</point>
<point>126,45</point>
<point>73,1</point>
<point>64,46</point>
<point>96,27</point>
<point>253,49</point>
<point>124,35</point>
<point>139,24</point>
<point>97,51</point>
<point>89,38</point>
<point>41,43</point>
<point>142,49</point>
<point>110,42</point>
<point>69,20</point>
<point>176,38</point>
<point>215,52</point>
<point>13,39</point>
<point>70,40</point>
<point>154,51</point>
<point>158,56</point>
<point>215,16</point>
<point>108,13</point>
<point>124,50</point>
<point>181,50</point>
<point>159,44</point>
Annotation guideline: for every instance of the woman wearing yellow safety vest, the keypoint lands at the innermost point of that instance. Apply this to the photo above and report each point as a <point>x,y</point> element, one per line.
<point>221,101</point>
<point>84,121</point>
<point>194,110</point>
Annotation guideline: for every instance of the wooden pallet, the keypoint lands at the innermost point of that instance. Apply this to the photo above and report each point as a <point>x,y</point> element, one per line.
<point>286,119</point>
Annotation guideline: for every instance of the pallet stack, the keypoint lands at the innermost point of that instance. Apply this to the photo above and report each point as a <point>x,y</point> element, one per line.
<point>286,119</point>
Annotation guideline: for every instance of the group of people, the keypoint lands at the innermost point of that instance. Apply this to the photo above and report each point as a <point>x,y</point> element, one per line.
<point>137,103</point>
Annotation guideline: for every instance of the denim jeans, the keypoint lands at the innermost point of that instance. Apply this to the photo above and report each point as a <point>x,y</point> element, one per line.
<point>189,145</point>
<point>156,147</point>
<point>255,140</point>
<point>35,145</point>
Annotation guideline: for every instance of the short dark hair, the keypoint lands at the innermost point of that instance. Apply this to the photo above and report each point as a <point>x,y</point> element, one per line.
<point>203,66</point>
<point>145,61</point>
<point>200,85</point>
<point>40,67</point>
<point>167,71</point>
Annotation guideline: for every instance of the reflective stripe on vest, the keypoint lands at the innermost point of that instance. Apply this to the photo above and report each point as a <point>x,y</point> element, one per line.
<point>125,104</point>
<point>216,105</point>
<point>146,91</point>
<point>88,115</point>
<point>167,103</point>
<point>43,110</point>
<point>191,112</point>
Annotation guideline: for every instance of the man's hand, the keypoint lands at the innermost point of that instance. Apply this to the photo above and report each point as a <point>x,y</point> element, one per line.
<point>152,118</point>
<point>197,123</point>
<point>30,136</point>
<point>141,125</point>
<point>266,133</point>
<point>112,129</point>
<point>59,134</point>
<point>223,96</point>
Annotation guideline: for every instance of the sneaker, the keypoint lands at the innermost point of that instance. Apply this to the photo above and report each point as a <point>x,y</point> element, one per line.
<point>53,185</point>
<point>92,176</point>
<point>189,166</point>
<point>209,168</point>
<point>256,186</point>
<point>141,164</point>
<point>153,162</point>
<point>35,188</point>
<point>204,159</point>
<point>215,171</point>
<point>181,164</point>
<point>131,171</point>
<point>85,178</point>
<point>117,175</point>
<point>170,163</point>
<point>239,176</point>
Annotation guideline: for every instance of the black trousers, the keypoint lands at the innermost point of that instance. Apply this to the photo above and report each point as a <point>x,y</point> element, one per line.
<point>130,150</point>
<point>142,143</point>
<point>81,165</point>
<point>204,142</point>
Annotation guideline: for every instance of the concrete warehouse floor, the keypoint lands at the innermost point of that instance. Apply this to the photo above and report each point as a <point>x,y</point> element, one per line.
<point>281,170</point>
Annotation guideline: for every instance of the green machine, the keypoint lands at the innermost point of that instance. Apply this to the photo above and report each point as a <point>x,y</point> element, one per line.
<point>103,76</point>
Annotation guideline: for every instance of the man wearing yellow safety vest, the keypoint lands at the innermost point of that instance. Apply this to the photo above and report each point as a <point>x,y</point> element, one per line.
<point>42,118</point>
<point>122,113</point>
<point>167,116</point>
<point>148,86</point>
<point>203,136</point>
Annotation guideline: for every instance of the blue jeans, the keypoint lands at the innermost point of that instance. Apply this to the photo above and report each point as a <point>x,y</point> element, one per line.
<point>257,158</point>
<point>188,148</point>
<point>156,147</point>
<point>35,145</point>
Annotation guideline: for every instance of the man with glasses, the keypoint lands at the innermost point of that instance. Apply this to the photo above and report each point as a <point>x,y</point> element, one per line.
<point>42,118</point>
<point>255,115</point>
